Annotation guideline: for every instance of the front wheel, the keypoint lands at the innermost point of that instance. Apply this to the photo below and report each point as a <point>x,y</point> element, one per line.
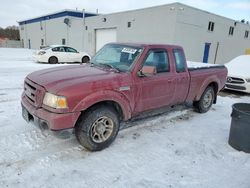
<point>53,60</point>
<point>85,59</point>
<point>206,100</point>
<point>97,128</point>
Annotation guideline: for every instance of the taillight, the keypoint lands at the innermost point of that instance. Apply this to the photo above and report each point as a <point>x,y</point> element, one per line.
<point>41,53</point>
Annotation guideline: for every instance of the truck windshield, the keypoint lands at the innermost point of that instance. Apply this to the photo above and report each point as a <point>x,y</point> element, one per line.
<point>116,56</point>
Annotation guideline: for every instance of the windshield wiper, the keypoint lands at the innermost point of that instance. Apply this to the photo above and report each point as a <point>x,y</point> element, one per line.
<point>110,66</point>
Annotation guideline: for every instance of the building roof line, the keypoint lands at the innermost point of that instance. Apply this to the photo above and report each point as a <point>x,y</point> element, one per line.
<point>176,4</point>
<point>58,14</point>
<point>211,13</point>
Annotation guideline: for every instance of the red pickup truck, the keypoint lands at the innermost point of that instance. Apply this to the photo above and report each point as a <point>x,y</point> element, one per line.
<point>120,82</point>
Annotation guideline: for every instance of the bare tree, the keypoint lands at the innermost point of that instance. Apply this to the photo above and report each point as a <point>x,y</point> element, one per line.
<point>10,32</point>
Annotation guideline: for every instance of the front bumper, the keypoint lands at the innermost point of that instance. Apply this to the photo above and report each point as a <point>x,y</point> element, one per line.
<point>238,87</point>
<point>48,120</point>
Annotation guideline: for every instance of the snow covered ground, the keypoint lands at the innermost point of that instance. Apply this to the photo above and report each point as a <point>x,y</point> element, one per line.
<point>176,149</point>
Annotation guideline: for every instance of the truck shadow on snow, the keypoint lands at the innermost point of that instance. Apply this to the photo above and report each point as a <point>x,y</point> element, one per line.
<point>158,113</point>
<point>232,94</point>
<point>179,112</point>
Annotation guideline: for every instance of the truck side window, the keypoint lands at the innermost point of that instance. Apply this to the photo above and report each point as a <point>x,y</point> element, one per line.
<point>159,59</point>
<point>179,60</point>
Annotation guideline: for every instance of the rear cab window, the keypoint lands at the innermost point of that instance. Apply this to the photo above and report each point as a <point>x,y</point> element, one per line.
<point>180,61</point>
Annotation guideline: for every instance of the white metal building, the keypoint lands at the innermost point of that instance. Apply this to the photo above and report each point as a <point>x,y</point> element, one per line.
<point>64,27</point>
<point>205,36</point>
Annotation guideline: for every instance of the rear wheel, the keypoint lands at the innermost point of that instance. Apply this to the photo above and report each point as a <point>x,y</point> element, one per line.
<point>206,100</point>
<point>97,128</point>
<point>53,60</point>
<point>85,59</point>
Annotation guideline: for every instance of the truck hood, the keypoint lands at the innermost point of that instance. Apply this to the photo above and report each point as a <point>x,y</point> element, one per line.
<point>54,79</point>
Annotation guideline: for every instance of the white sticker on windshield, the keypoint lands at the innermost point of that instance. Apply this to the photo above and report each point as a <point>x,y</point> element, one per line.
<point>129,50</point>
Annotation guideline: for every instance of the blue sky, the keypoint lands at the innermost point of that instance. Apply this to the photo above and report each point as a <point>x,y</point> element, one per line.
<point>15,10</point>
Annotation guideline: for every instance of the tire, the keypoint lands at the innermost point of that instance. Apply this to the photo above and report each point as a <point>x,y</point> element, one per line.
<point>53,60</point>
<point>97,128</point>
<point>85,59</point>
<point>206,100</point>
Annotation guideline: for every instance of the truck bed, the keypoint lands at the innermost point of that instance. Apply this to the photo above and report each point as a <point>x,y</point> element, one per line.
<point>197,65</point>
<point>201,75</point>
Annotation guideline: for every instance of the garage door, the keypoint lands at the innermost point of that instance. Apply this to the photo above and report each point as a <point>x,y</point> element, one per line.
<point>104,36</point>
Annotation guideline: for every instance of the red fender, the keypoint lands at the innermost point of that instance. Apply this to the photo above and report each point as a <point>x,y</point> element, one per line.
<point>206,82</point>
<point>106,95</point>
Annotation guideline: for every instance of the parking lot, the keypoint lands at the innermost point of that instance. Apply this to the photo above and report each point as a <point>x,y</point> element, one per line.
<point>180,148</point>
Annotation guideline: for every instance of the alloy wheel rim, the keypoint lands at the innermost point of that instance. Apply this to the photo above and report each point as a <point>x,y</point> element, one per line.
<point>102,129</point>
<point>208,98</point>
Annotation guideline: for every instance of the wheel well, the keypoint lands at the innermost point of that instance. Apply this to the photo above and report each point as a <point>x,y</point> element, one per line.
<point>52,57</point>
<point>86,56</point>
<point>215,86</point>
<point>113,104</point>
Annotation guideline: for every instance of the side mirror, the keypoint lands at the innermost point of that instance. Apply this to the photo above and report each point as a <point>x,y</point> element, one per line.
<point>147,71</point>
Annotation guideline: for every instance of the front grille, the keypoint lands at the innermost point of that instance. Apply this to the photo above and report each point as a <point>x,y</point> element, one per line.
<point>235,87</point>
<point>234,80</point>
<point>30,92</point>
<point>33,92</point>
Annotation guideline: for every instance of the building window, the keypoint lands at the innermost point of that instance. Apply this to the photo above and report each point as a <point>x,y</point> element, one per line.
<point>63,41</point>
<point>231,30</point>
<point>86,27</point>
<point>246,34</point>
<point>129,24</point>
<point>42,42</point>
<point>210,26</point>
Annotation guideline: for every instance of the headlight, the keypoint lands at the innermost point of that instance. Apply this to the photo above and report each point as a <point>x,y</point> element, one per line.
<point>248,79</point>
<point>54,101</point>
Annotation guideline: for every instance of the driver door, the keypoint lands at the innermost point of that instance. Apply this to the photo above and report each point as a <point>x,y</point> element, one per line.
<point>156,90</point>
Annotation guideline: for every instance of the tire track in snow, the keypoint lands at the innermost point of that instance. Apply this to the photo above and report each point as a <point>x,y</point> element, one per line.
<point>18,146</point>
<point>10,89</point>
<point>46,157</point>
<point>45,149</point>
<point>14,146</point>
<point>8,100</point>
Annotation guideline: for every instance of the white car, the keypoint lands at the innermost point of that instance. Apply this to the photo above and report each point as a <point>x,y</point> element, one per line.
<point>60,54</point>
<point>238,78</point>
